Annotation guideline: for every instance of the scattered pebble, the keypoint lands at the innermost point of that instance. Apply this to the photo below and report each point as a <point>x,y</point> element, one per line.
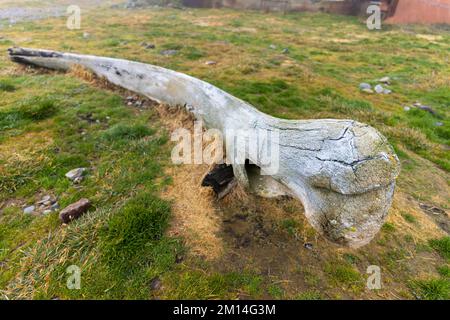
<point>379,88</point>
<point>285,51</point>
<point>156,284</point>
<point>439,124</point>
<point>45,199</point>
<point>427,109</point>
<point>385,80</point>
<point>308,246</point>
<point>138,102</point>
<point>74,211</point>
<point>148,45</point>
<point>46,212</point>
<point>210,63</point>
<point>364,85</point>
<point>29,210</point>
<point>406,108</point>
<point>169,52</point>
<point>86,35</point>
<point>76,175</point>
<point>273,47</point>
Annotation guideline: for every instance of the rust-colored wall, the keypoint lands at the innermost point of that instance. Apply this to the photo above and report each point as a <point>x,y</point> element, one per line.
<point>421,11</point>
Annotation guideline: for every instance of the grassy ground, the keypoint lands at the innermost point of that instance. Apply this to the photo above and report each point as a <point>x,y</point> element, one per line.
<point>150,236</point>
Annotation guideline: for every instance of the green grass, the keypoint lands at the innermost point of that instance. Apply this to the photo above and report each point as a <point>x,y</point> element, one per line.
<point>309,295</point>
<point>275,291</point>
<point>34,109</point>
<point>290,225</point>
<point>7,86</point>
<point>344,275</point>
<point>197,285</point>
<point>350,258</point>
<point>444,271</point>
<point>388,227</point>
<point>138,225</point>
<point>442,246</point>
<point>409,217</point>
<point>433,289</point>
<point>127,132</point>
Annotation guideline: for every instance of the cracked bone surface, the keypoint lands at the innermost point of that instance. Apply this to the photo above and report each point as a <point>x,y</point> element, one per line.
<point>342,171</point>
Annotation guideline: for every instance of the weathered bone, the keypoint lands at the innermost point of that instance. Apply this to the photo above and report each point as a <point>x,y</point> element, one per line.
<point>342,171</point>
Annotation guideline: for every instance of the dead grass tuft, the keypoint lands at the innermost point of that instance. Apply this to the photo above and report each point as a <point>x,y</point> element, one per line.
<point>194,215</point>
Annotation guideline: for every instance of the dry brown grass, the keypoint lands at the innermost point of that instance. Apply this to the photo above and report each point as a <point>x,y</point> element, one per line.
<point>421,231</point>
<point>25,147</point>
<point>195,217</point>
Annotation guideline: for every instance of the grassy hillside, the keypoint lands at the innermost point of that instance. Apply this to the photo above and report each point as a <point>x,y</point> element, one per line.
<point>153,232</point>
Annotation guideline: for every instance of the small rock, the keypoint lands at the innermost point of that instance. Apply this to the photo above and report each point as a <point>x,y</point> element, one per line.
<point>379,88</point>
<point>74,211</point>
<point>431,209</point>
<point>387,91</point>
<point>427,109</point>
<point>210,63</point>
<point>45,199</point>
<point>76,174</point>
<point>86,35</point>
<point>179,258</point>
<point>78,180</point>
<point>406,108</point>
<point>155,284</point>
<point>169,52</point>
<point>364,85</point>
<point>55,206</point>
<point>367,90</point>
<point>439,124</point>
<point>285,51</point>
<point>273,47</point>
<point>46,212</point>
<point>308,246</point>
<point>29,210</point>
<point>385,80</point>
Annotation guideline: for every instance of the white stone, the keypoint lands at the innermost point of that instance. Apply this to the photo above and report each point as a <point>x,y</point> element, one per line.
<point>75,174</point>
<point>379,88</point>
<point>385,80</point>
<point>364,86</point>
<point>29,210</point>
